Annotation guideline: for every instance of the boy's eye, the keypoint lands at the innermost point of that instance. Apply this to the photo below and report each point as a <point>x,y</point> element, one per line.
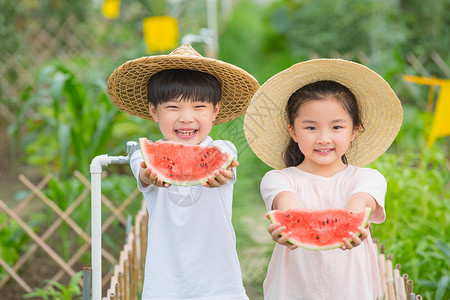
<point>172,107</point>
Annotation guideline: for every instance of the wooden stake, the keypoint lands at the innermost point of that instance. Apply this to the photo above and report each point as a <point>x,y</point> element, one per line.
<point>382,267</point>
<point>390,278</point>
<point>409,286</point>
<point>401,293</point>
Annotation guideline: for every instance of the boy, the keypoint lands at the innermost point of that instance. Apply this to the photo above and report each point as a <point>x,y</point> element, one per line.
<point>191,250</point>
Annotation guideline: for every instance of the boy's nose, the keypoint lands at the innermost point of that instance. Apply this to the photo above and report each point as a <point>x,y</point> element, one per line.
<point>186,116</point>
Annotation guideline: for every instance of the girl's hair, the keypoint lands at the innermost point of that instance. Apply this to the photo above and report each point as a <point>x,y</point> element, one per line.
<point>319,90</point>
<point>169,85</point>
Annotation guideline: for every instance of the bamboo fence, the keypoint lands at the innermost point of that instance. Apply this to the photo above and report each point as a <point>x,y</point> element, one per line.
<point>394,286</point>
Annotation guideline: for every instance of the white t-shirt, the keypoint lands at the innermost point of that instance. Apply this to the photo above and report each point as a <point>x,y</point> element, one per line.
<point>191,250</point>
<point>328,274</point>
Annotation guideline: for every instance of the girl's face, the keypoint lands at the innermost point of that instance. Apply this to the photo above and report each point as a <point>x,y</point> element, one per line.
<point>187,122</point>
<point>323,131</point>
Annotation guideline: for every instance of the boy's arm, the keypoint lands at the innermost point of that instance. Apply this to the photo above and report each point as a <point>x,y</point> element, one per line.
<point>147,177</point>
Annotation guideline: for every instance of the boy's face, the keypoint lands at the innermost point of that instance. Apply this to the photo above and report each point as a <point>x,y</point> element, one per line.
<point>184,121</point>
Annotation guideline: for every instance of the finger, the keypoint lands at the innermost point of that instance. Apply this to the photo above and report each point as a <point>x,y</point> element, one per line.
<point>272,227</point>
<point>277,231</point>
<point>364,233</point>
<point>220,177</point>
<point>233,164</point>
<point>356,241</point>
<point>143,165</point>
<point>347,245</point>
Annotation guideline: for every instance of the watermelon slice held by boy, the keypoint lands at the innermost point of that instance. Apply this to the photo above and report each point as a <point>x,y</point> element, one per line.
<point>183,164</point>
<point>320,229</point>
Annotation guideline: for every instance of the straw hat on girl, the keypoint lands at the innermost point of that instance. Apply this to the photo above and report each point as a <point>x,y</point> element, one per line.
<point>266,125</point>
<point>127,86</point>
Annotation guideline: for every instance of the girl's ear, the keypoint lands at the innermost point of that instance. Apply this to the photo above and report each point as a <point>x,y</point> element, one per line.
<point>292,133</point>
<point>216,111</point>
<point>152,110</point>
<point>354,133</point>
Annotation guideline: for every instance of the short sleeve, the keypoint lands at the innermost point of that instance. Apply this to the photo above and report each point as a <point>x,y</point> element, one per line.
<point>135,164</point>
<point>273,183</point>
<point>372,182</point>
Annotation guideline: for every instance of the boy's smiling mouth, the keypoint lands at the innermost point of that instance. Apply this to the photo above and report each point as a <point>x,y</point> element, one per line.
<point>185,133</point>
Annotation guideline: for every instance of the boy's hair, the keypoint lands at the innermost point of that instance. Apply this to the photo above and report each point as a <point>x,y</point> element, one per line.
<point>175,84</point>
<point>319,90</point>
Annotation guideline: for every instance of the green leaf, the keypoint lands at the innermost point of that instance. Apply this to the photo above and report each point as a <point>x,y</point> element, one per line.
<point>442,287</point>
<point>443,247</point>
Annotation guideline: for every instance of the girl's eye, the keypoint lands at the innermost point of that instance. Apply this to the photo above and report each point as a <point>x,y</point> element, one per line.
<point>310,128</point>
<point>337,127</point>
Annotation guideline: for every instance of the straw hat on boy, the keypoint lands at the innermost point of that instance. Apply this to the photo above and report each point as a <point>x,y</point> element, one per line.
<point>127,86</point>
<point>266,125</point>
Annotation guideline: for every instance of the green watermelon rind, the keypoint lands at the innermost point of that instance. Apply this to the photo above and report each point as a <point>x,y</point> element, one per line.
<point>318,248</point>
<point>183,183</point>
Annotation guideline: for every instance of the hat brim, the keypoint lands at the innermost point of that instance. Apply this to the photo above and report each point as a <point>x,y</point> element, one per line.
<point>266,125</point>
<point>127,86</point>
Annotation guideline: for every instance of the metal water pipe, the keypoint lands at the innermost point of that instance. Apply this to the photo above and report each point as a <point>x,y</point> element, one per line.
<point>96,212</point>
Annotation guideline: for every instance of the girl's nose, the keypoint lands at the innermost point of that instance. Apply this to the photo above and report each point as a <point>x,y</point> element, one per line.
<point>324,137</point>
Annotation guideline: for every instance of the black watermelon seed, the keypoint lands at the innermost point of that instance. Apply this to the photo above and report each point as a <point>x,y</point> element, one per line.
<point>328,221</point>
<point>335,220</point>
<point>317,237</point>
<point>323,223</point>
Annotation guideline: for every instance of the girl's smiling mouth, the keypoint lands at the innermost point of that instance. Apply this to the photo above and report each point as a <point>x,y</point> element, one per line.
<point>324,151</point>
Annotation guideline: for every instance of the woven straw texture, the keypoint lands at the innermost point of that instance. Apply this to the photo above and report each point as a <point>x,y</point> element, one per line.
<point>127,86</point>
<point>266,125</point>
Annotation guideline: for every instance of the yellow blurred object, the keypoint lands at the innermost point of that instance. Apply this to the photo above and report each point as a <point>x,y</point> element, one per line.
<point>160,33</point>
<point>441,120</point>
<point>111,8</point>
<point>440,126</point>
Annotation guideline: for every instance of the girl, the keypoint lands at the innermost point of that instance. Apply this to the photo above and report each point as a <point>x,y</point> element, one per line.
<point>328,119</point>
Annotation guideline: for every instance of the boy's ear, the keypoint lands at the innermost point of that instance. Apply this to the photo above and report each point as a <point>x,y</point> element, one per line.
<point>152,110</point>
<point>216,110</point>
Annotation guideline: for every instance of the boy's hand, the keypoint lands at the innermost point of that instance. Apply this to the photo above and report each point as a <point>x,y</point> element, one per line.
<point>276,230</point>
<point>222,176</point>
<point>356,240</point>
<point>147,177</point>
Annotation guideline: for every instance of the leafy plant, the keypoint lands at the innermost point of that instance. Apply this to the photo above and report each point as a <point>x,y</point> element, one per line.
<point>58,291</point>
<point>63,126</point>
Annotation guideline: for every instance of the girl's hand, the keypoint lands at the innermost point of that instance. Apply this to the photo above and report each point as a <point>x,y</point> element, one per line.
<point>222,176</point>
<point>147,177</point>
<point>276,230</point>
<point>356,240</point>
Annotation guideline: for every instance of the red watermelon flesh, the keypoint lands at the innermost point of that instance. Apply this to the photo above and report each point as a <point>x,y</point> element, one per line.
<point>320,229</point>
<point>183,164</point>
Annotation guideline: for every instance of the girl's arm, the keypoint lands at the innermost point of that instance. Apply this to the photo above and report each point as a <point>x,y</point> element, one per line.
<point>283,201</point>
<point>357,203</point>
